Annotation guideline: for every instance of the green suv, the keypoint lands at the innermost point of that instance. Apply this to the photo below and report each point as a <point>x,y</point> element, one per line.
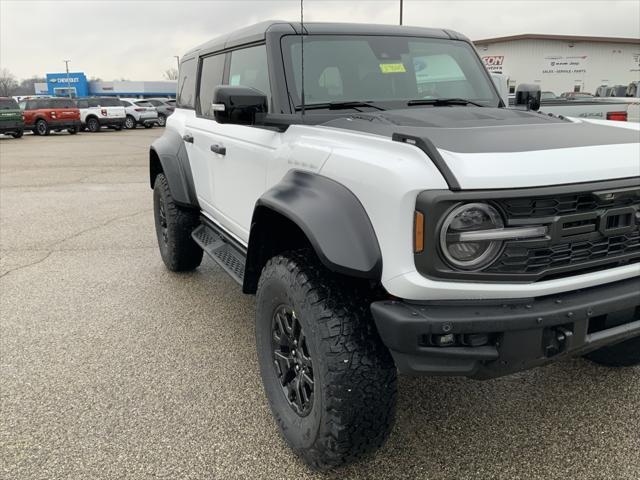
<point>11,119</point>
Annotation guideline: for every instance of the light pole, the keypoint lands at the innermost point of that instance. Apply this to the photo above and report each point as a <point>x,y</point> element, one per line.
<point>177,60</point>
<point>66,63</point>
<point>400,12</point>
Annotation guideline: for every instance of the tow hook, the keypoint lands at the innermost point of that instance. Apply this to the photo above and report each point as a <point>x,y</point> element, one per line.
<point>557,340</point>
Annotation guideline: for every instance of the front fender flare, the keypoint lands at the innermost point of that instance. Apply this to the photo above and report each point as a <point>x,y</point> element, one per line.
<point>333,220</point>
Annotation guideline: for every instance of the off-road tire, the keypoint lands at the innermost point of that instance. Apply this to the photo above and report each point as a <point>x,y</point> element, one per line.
<point>625,354</point>
<point>354,393</point>
<point>93,125</point>
<point>41,127</point>
<point>178,250</point>
<point>130,123</point>
<point>17,134</point>
<point>162,120</point>
<point>73,130</point>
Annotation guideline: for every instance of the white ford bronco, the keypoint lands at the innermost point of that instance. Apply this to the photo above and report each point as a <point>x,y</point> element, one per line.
<point>98,112</point>
<point>390,214</point>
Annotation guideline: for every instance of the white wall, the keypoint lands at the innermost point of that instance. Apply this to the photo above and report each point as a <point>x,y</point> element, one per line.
<point>591,64</point>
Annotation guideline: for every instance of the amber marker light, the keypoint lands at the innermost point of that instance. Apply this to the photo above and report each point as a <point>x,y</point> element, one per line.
<point>418,229</point>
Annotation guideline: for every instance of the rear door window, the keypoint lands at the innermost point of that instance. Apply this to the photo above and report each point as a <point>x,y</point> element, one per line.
<point>109,102</point>
<point>187,84</point>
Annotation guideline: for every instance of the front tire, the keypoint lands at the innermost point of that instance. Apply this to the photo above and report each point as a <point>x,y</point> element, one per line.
<point>93,125</point>
<point>334,397</point>
<point>17,134</point>
<point>73,130</point>
<point>162,120</point>
<point>625,354</point>
<point>129,122</point>
<point>174,225</point>
<point>148,125</point>
<point>41,128</point>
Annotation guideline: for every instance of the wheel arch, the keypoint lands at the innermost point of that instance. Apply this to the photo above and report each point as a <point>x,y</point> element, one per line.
<point>307,209</point>
<point>168,155</point>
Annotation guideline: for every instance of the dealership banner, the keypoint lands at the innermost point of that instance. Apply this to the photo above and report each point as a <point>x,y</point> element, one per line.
<point>559,64</point>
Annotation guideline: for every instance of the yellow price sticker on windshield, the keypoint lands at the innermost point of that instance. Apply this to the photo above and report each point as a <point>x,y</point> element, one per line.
<point>392,68</point>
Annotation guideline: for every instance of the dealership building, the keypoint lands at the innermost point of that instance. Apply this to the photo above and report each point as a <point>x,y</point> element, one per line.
<point>59,84</point>
<point>562,63</point>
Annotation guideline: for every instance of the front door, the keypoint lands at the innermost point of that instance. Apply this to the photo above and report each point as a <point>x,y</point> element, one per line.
<point>235,157</point>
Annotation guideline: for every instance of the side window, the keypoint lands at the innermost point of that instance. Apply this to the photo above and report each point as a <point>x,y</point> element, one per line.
<point>249,69</point>
<point>210,77</point>
<point>23,105</point>
<point>187,84</point>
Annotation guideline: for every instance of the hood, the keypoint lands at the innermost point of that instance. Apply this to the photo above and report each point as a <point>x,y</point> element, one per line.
<point>485,147</point>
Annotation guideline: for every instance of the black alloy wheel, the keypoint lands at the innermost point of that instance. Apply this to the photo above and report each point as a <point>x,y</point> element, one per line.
<point>292,360</point>
<point>93,125</point>
<point>42,128</point>
<point>162,220</point>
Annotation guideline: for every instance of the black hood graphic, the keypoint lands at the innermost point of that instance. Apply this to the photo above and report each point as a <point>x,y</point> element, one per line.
<point>483,129</point>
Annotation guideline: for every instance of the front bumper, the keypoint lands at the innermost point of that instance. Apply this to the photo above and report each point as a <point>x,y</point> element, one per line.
<point>498,338</point>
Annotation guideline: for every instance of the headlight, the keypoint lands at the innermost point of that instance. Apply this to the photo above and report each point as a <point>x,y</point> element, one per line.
<point>461,238</point>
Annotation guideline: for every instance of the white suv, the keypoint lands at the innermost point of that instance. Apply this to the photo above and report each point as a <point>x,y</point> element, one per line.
<point>139,112</point>
<point>97,112</point>
<point>391,214</point>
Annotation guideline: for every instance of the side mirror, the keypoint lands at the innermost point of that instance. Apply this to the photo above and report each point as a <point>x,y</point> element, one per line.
<point>528,96</point>
<point>236,104</point>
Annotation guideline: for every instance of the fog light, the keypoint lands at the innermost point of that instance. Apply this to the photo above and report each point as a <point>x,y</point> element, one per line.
<point>444,340</point>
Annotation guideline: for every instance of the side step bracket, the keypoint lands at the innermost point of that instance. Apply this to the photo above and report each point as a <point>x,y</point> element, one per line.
<point>224,251</point>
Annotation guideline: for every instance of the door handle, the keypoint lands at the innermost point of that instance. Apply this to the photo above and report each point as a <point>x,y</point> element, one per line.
<point>187,138</point>
<point>219,149</point>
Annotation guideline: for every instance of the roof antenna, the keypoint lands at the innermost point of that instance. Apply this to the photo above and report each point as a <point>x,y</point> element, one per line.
<point>302,53</point>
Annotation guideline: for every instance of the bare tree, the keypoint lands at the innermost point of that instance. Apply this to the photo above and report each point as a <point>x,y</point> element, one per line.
<point>8,83</point>
<point>171,74</point>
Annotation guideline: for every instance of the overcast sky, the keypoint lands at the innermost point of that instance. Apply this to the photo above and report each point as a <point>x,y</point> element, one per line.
<point>137,40</point>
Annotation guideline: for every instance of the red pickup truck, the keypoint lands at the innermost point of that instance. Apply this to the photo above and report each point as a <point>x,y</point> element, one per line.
<point>45,114</point>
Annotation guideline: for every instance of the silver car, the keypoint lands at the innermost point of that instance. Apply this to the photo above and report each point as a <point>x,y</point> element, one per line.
<point>139,112</point>
<point>164,106</point>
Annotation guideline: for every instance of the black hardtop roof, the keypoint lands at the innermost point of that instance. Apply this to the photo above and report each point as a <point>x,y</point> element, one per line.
<point>258,32</point>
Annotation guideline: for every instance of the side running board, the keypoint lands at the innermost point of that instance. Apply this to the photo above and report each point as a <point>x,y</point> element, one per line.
<point>227,253</point>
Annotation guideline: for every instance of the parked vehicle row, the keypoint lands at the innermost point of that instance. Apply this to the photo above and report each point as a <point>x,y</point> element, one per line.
<point>42,115</point>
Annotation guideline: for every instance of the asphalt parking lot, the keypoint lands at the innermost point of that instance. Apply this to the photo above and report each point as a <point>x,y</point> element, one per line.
<point>111,367</point>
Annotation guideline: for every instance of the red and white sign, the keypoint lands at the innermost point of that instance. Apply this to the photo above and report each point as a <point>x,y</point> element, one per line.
<point>493,63</point>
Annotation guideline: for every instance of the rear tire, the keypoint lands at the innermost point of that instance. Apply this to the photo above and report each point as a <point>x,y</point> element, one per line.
<point>330,381</point>
<point>93,125</point>
<point>41,128</point>
<point>625,354</point>
<point>17,134</point>
<point>129,122</point>
<point>174,225</point>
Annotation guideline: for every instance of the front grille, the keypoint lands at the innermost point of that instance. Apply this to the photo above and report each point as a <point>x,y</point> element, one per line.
<point>519,259</point>
<point>590,227</point>
<point>518,208</point>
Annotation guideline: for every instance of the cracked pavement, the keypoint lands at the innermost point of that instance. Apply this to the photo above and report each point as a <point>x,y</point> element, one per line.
<point>111,367</point>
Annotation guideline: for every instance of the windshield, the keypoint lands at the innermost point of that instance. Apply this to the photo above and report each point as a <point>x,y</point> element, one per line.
<point>8,104</point>
<point>339,68</point>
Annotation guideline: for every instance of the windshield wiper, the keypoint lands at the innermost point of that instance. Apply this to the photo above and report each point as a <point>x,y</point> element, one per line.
<point>443,102</point>
<point>339,105</point>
